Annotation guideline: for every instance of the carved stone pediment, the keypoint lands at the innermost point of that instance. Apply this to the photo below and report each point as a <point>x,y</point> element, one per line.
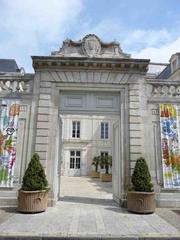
<point>90,46</point>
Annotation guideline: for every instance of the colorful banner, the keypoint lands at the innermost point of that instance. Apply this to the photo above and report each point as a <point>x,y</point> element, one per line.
<point>170,145</point>
<point>9,113</point>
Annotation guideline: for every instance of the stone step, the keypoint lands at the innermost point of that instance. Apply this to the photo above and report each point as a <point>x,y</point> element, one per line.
<point>8,202</point>
<point>171,200</point>
<point>8,193</point>
<point>90,237</point>
<point>8,198</point>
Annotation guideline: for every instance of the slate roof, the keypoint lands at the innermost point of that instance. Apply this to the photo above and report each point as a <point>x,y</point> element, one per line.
<point>8,65</point>
<point>165,73</point>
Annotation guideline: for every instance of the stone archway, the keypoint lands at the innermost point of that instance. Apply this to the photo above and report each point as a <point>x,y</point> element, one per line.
<point>67,113</point>
<point>71,69</point>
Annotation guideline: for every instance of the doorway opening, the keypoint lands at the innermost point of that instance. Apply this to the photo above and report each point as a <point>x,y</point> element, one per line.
<point>88,120</point>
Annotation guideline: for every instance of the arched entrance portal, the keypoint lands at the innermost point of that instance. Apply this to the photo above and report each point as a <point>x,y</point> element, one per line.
<point>88,82</point>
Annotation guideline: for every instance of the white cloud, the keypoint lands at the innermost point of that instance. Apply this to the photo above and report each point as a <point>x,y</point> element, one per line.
<point>37,27</point>
<point>159,54</point>
<point>157,45</point>
<point>147,38</point>
<point>107,29</point>
<point>27,27</point>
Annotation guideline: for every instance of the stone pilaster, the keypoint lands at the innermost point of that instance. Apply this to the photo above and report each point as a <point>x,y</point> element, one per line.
<point>47,130</point>
<point>135,139</point>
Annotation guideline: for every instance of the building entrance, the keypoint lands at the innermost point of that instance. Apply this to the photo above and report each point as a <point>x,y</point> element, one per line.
<point>88,120</point>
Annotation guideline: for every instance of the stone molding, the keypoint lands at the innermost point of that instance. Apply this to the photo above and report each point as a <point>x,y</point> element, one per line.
<point>67,63</point>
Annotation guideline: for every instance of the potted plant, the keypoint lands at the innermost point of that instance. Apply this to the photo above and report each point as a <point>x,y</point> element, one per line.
<point>95,163</point>
<point>33,195</point>
<point>106,161</point>
<point>141,198</point>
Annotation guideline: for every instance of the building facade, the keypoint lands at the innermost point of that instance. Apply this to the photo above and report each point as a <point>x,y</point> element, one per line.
<point>88,99</point>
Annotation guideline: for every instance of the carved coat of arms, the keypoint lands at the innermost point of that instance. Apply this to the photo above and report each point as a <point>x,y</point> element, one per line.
<point>91,45</point>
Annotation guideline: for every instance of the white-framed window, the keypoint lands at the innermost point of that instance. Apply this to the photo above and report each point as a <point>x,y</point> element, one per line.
<point>104,130</point>
<point>75,159</point>
<point>104,154</point>
<point>75,129</point>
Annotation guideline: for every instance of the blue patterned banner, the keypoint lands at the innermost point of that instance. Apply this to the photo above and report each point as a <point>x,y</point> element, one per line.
<point>170,145</point>
<point>9,113</point>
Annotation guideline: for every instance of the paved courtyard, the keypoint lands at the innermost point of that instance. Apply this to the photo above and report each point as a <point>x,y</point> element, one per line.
<point>85,189</point>
<point>86,210</point>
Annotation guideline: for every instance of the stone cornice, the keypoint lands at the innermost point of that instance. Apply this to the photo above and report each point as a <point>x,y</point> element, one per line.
<point>168,82</point>
<point>51,62</point>
<point>18,77</point>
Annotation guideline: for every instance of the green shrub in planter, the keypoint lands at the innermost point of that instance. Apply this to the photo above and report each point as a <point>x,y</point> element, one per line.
<point>141,178</point>
<point>33,195</point>
<point>141,199</point>
<point>34,177</point>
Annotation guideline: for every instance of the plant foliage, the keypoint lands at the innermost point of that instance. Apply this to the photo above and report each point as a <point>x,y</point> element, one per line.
<point>141,178</point>
<point>106,161</point>
<point>95,162</point>
<point>34,177</point>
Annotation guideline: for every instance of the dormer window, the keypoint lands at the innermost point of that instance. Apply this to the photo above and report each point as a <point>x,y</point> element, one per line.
<point>174,65</point>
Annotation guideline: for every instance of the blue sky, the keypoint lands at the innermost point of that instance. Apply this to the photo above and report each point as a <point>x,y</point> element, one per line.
<point>145,28</point>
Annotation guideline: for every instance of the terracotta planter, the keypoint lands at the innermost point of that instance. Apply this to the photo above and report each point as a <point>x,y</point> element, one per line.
<point>141,202</point>
<point>94,174</point>
<point>32,201</point>
<point>104,177</point>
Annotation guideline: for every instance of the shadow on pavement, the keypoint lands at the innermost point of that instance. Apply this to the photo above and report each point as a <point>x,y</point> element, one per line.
<point>9,209</point>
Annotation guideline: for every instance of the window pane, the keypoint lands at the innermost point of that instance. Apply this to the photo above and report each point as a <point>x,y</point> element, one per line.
<point>106,130</point>
<point>78,153</point>
<point>77,163</point>
<point>78,125</point>
<point>73,133</point>
<point>102,130</point>
<point>103,154</point>
<point>72,153</point>
<point>74,125</point>
<point>76,129</point>
<point>71,162</point>
<point>78,134</point>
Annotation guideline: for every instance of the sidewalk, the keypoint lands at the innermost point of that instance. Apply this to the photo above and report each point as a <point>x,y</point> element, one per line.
<point>89,217</point>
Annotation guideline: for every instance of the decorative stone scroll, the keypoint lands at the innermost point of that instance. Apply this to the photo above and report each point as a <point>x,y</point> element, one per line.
<point>90,46</point>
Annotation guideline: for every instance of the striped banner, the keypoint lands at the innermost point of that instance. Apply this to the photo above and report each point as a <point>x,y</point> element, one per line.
<point>170,145</point>
<point>9,113</point>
